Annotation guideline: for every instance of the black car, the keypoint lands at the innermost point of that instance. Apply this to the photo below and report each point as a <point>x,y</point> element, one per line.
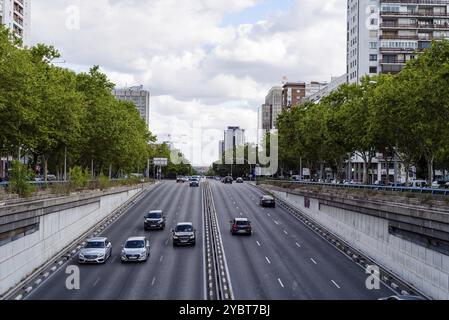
<point>228,180</point>
<point>241,226</point>
<point>154,220</point>
<point>267,201</point>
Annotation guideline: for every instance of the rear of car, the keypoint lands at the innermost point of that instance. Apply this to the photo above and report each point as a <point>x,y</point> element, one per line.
<point>241,226</point>
<point>239,180</point>
<point>267,201</point>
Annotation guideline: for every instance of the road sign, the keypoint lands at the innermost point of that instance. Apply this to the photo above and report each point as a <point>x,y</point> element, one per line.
<point>161,162</point>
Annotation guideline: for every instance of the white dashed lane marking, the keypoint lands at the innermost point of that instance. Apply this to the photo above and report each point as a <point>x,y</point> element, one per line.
<point>335,284</point>
<point>268,260</point>
<point>311,259</point>
<point>280,282</point>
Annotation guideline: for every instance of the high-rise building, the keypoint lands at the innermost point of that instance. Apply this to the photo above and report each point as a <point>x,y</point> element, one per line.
<point>221,149</point>
<point>382,35</point>
<point>139,96</point>
<point>233,137</point>
<point>292,94</point>
<point>335,83</point>
<point>274,99</point>
<point>16,15</point>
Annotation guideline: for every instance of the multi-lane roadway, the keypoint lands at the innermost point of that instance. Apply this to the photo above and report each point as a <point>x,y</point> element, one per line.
<point>283,259</point>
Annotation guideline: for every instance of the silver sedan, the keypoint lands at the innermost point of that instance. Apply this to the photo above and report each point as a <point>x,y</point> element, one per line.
<point>96,250</point>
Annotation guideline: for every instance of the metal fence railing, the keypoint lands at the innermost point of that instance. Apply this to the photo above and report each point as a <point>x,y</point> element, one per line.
<point>427,190</point>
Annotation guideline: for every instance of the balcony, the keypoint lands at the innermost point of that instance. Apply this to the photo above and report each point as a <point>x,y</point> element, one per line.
<point>420,2</point>
<point>396,37</point>
<point>393,61</point>
<point>414,26</point>
<point>414,14</point>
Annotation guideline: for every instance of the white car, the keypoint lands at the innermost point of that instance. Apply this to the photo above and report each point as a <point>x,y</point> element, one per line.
<point>135,249</point>
<point>96,250</point>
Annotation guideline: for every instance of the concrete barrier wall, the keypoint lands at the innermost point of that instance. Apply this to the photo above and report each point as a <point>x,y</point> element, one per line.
<point>425,269</point>
<point>59,225</point>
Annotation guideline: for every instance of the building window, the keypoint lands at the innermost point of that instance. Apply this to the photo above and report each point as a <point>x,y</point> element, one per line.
<point>373,57</point>
<point>373,33</point>
<point>373,45</point>
<point>372,69</point>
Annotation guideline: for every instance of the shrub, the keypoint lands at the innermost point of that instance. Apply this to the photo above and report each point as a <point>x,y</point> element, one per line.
<point>79,178</point>
<point>19,181</point>
<point>103,182</point>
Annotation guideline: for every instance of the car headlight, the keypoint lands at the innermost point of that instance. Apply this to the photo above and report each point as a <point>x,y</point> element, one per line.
<point>81,255</point>
<point>192,237</point>
<point>101,255</point>
<point>175,237</point>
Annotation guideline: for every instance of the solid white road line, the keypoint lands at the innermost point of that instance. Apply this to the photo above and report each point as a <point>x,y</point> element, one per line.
<point>280,282</point>
<point>336,284</point>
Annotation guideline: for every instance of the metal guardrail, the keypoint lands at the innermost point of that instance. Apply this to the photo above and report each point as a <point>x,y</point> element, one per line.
<point>217,275</point>
<point>433,191</point>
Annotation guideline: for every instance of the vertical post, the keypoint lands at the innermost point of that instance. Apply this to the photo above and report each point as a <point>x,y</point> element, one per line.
<point>300,169</point>
<point>110,171</point>
<point>65,164</point>
<point>148,168</point>
<point>92,168</point>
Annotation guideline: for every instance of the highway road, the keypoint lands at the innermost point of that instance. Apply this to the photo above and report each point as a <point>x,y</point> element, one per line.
<point>282,260</point>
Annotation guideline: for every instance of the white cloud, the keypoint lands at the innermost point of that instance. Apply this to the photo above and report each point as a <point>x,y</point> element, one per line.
<point>194,67</point>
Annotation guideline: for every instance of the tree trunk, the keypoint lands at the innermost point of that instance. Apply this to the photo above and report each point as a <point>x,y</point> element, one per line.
<point>430,170</point>
<point>45,167</point>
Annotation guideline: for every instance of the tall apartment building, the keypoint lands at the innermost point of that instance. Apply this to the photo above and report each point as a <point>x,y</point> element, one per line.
<point>292,94</point>
<point>233,137</point>
<point>335,83</point>
<point>139,96</point>
<point>16,15</point>
<point>382,35</point>
<point>264,121</point>
<point>221,149</point>
<point>274,99</point>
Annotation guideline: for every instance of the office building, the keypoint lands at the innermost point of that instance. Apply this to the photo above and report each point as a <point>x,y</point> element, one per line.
<point>274,100</point>
<point>382,35</point>
<point>234,137</point>
<point>16,15</point>
<point>139,96</point>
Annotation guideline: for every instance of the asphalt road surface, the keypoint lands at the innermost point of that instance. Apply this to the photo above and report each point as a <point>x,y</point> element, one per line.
<point>283,259</point>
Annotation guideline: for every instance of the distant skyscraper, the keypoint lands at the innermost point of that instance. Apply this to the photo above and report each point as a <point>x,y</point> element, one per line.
<point>274,99</point>
<point>139,96</point>
<point>233,137</point>
<point>220,149</point>
<point>16,15</point>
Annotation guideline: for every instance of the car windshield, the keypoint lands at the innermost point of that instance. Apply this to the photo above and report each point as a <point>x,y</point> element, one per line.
<point>184,228</point>
<point>134,244</point>
<point>95,244</point>
<point>154,215</point>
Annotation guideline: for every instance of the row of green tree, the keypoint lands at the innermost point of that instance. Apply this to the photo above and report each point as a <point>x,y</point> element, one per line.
<point>51,114</point>
<point>404,115</point>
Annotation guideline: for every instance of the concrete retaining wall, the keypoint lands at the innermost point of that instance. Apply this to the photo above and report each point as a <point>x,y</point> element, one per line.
<point>426,269</point>
<point>61,221</point>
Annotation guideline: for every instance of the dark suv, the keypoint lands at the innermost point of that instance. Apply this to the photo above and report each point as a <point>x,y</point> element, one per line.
<point>267,201</point>
<point>184,234</point>
<point>241,226</point>
<point>154,220</point>
<point>227,180</point>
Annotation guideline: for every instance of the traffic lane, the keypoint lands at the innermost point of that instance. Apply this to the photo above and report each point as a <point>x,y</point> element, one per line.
<point>93,276</point>
<point>347,278</point>
<point>140,280</point>
<point>279,280</point>
<point>182,274</point>
<point>251,277</point>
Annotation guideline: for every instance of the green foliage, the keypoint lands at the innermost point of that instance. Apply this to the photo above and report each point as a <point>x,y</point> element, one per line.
<point>406,115</point>
<point>103,182</point>
<point>79,178</point>
<point>19,183</point>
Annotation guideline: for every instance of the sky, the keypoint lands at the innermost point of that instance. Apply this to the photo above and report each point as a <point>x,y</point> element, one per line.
<point>207,63</point>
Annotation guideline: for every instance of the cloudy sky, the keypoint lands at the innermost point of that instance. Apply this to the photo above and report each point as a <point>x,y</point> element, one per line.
<point>207,63</point>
